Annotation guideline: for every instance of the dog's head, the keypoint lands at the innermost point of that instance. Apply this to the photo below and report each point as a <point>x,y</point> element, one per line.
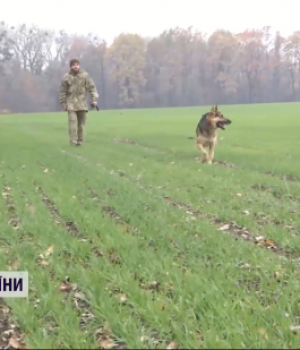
<point>216,119</point>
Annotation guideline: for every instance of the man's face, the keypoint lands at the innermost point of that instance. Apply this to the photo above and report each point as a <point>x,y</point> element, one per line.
<point>75,67</point>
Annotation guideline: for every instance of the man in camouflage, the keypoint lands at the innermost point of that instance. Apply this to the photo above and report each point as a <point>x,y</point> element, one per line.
<point>73,90</point>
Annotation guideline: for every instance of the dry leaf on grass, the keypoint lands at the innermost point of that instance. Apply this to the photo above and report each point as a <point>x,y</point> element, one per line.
<point>36,303</point>
<point>13,342</point>
<point>46,170</point>
<point>154,285</point>
<point>224,227</point>
<point>79,295</point>
<point>67,287</point>
<point>246,212</point>
<point>123,298</point>
<point>4,309</point>
<point>16,343</point>
<point>151,285</point>
<point>114,259</point>
<point>15,223</point>
<point>144,338</point>
<point>246,266</point>
<point>277,275</point>
<point>269,243</point>
<point>199,337</point>
<point>98,251</point>
<point>5,195</point>
<point>104,338</point>
<point>263,332</point>
<point>261,241</point>
<point>172,345</point>
<point>14,266</point>
<point>111,344</point>
<point>106,343</point>
<point>295,328</point>
<point>47,252</point>
<point>43,263</point>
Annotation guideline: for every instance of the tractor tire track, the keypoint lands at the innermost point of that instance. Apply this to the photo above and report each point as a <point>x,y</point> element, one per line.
<point>229,227</point>
<point>103,335</point>
<point>276,193</point>
<point>70,226</point>
<point>14,221</point>
<point>11,335</point>
<point>71,290</point>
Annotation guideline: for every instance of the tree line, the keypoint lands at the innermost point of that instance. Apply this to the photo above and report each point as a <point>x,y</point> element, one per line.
<point>180,67</point>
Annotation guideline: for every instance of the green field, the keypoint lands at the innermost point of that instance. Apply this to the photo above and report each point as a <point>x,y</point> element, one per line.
<point>133,219</point>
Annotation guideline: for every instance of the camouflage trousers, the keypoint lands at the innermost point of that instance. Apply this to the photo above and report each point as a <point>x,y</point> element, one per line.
<point>76,126</point>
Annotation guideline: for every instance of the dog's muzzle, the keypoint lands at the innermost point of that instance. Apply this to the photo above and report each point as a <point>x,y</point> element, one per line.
<point>221,124</point>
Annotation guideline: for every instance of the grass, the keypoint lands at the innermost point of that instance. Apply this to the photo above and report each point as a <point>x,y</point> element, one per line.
<point>133,219</point>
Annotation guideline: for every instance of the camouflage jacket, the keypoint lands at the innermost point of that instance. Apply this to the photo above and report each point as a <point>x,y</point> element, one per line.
<point>74,88</point>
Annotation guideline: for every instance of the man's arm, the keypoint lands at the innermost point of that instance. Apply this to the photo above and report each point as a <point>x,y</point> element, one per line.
<point>91,88</point>
<point>63,93</point>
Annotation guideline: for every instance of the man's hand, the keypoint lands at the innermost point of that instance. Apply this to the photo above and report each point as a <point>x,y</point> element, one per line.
<point>65,107</point>
<point>94,105</point>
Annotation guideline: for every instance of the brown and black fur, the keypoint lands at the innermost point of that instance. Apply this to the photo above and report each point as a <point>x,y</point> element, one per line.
<point>206,132</point>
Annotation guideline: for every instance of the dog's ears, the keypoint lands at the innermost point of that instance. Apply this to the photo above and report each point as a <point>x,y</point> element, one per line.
<point>214,109</point>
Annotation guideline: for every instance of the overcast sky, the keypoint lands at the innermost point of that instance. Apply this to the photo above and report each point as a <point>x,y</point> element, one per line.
<point>108,18</point>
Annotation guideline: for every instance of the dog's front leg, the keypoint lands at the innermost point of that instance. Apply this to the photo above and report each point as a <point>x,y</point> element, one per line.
<point>203,151</point>
<point>211,154</point>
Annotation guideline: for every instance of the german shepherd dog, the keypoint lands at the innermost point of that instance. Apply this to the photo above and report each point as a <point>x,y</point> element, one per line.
<point>206,132</point>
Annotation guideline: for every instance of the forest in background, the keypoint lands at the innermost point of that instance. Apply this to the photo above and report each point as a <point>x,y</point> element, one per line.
<point>180,67</point>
